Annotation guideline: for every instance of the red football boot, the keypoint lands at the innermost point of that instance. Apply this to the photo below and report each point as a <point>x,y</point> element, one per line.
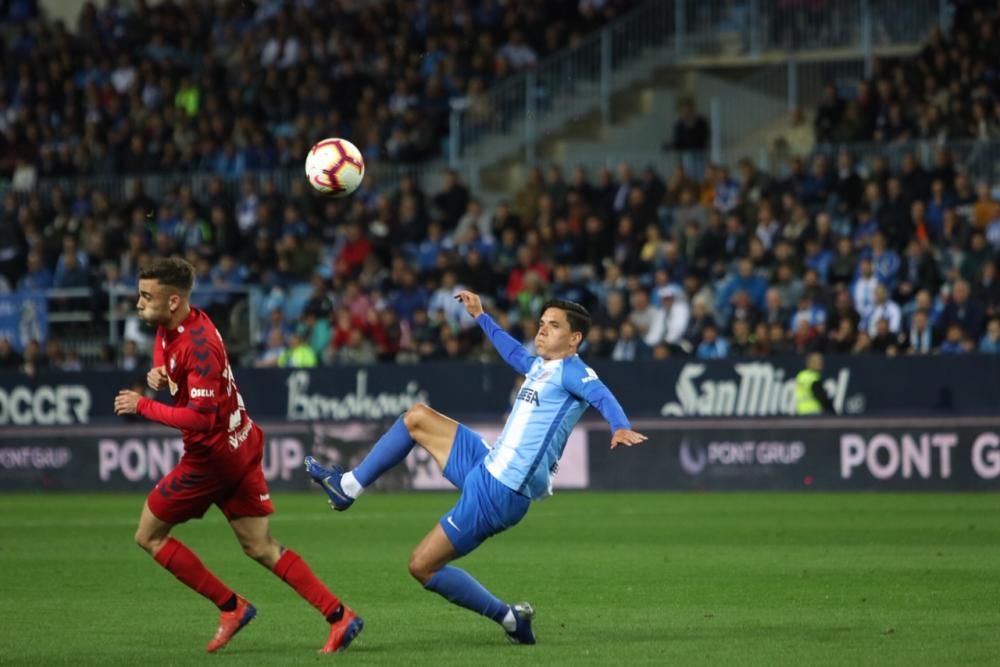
<point>343,632</point>
<point>231,622</point>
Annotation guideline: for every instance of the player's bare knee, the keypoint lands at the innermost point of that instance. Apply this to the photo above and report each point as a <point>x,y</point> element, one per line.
<point>420,568</point>
<point>257,550</point>
<point>149,543</point>
<point>415,416</point>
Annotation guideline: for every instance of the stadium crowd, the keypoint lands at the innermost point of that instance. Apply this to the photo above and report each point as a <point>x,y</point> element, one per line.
<point>947,91</point>
<point>232,86</point>
<point>884,257</point>
<point>844,258</point>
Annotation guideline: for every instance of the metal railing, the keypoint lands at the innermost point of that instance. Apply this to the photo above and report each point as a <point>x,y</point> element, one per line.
<point>379,177</point>
<point>515,113</point>
<point>978,159</point>
<point>241,305</point>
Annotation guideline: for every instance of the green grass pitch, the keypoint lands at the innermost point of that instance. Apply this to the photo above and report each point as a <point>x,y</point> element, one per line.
<point>669,579</point>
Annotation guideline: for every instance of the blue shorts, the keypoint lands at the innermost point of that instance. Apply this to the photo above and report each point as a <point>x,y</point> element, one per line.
<point>486,506</point>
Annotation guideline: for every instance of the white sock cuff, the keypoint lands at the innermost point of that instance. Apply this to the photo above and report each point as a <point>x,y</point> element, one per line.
<point>351,486</point>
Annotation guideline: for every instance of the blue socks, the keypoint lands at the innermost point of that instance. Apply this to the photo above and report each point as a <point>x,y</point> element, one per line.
<point>458,587</point>
<point>390,449</point>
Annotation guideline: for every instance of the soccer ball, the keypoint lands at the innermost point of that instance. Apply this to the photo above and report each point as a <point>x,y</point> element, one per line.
<point>335,167</point>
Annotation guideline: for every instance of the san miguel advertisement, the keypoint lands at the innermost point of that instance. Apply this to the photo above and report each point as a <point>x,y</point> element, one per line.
<point>792,454</point>
<point>956,385</point>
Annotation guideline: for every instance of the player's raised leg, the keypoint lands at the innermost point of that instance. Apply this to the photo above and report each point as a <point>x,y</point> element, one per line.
<point>153,535</point>
<point>254,536</point>
<point>419,425</point>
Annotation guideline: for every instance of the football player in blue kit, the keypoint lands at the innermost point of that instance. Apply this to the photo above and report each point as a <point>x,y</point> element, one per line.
<point>498,481</point>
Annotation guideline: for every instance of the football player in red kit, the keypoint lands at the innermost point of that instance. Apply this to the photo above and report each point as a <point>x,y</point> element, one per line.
<point>221,464</point>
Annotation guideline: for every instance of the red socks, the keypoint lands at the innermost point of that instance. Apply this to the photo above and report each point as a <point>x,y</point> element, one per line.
<point>290,568</point>
<point>185,565</point>
<point>295,572</point>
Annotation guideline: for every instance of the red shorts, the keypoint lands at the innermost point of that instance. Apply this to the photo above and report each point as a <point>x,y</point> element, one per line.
<point>232,479</point>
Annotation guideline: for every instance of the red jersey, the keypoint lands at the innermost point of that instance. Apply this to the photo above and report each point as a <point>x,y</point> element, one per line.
<point>201,380</point>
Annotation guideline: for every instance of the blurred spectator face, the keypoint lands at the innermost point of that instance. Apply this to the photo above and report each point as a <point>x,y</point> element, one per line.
<point>882,328</point>
<point>954,334</point>
<point>843,302</point>
<point>627,331</point>
<point>993,329</point>
<point>937,189</point>
<point>866,268</point>
<point>640,300</point>
<point>823,223</point>
<point>872,193</point>
<point>354,340</point>
<point>661,352</point>
<point>698,309</point>
<point>844,162</point>
<point>878,243</point>
<point>776,334</point>
<point>773,299</point>
<point>881,294</point>
<point>616,303</point>
<point>920,320</point>
<point>524,257</point>
<point>746,268</point>
<point>275,340</point>
<point>709,334</point>
<point>741,329</point>
<point>961,292</point>
<point>596,337</point>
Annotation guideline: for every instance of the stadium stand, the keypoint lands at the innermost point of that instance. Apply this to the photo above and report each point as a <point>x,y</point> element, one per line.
<point>875,257</point>
<point>237,86</point>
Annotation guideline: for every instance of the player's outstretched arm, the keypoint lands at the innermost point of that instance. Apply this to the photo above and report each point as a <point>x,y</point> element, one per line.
<point>581,381</point>
<point>132,403</point>
<point>511,350</point>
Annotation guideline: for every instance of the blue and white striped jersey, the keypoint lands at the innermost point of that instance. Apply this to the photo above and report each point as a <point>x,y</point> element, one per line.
<point>551,401</point>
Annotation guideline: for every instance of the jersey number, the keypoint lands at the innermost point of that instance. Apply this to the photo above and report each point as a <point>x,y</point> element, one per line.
<point>236,418</point>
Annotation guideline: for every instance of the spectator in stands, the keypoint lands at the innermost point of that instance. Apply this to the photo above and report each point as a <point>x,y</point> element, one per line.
<point>268,358</point>
<point>299,353</point>
<point>883,308</point>
<point>132,359</point>
<point>691,130</point>
<point>990,342</point>
<point>954,341</point>
<point>920,337</point>
<point>670,320</point>
<point>9,357</point>
<point>38,276</point>
<point>962,312</point>
<point>451,201</point>
<point>712,346</point>
<point>629,346</point>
